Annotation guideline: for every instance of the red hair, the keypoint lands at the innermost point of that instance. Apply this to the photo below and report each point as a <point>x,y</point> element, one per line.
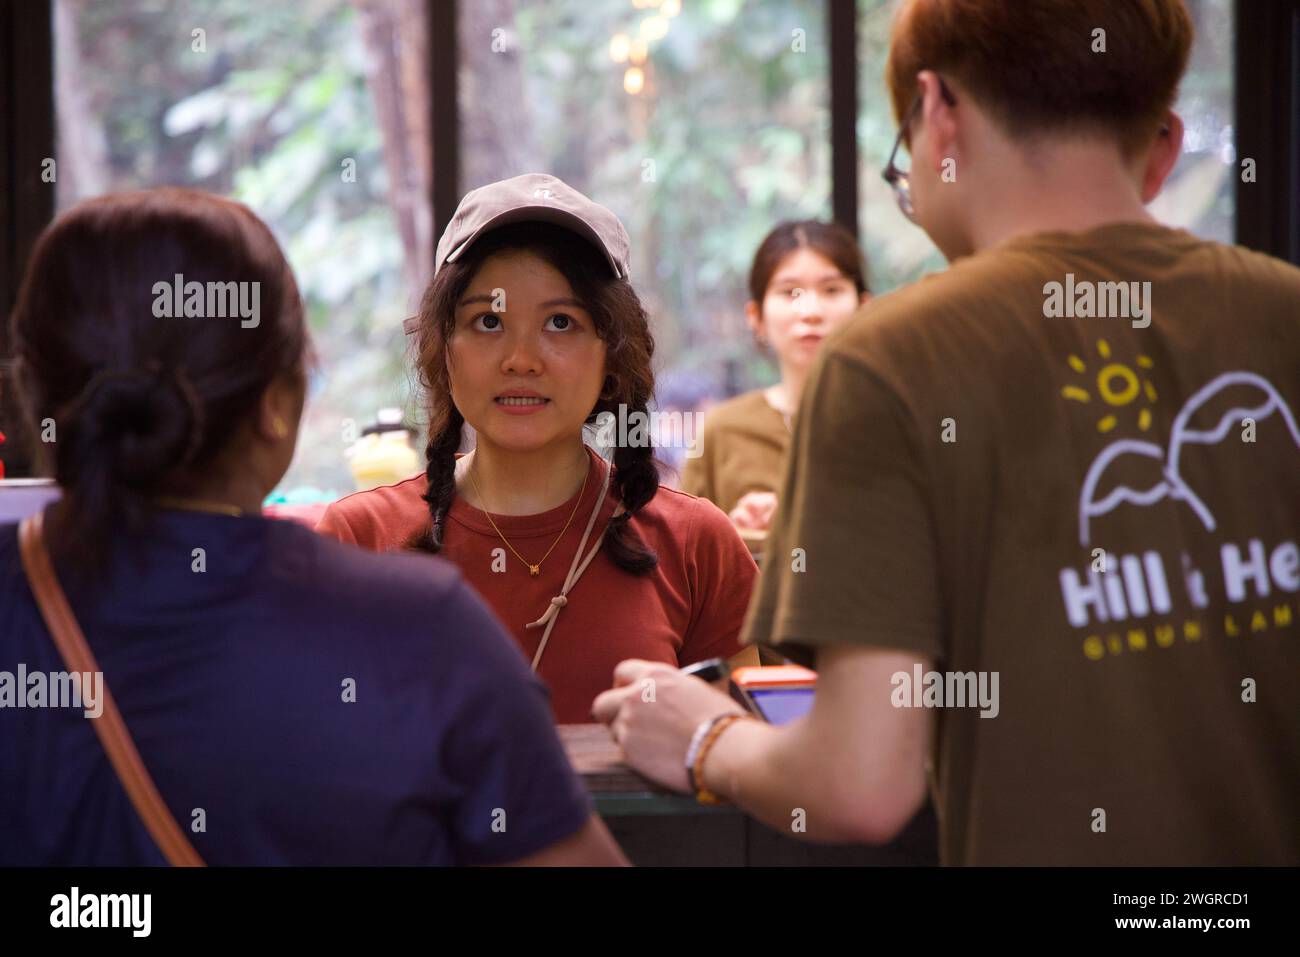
<point>1031,63</point>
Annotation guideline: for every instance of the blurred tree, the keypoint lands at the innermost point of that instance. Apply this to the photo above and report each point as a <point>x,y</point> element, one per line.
<point>495,143</point>
<point>397,56</point>
<point>314,114</point>
<point>723,132</point>
<point>727,134</point>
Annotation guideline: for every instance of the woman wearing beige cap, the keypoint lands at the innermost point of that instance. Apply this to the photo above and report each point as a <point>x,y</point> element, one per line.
<point>529,331</point>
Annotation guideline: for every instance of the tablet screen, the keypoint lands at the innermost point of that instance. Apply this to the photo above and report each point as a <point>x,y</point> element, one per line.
<point>782,705</point>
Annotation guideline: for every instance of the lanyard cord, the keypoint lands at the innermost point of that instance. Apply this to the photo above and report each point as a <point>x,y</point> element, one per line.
<point>575,571</point>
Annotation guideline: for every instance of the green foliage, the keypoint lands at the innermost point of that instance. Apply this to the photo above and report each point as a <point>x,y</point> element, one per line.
<point>734,118</point>
<point>266,115</point>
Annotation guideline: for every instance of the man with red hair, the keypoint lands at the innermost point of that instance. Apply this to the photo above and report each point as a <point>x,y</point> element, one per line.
<point>1039,527</point>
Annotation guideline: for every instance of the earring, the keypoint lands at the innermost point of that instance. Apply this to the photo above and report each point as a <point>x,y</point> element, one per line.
<point>279,428</point>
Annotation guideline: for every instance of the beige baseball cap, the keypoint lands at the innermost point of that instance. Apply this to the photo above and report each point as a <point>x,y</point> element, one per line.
<point>534,197</point>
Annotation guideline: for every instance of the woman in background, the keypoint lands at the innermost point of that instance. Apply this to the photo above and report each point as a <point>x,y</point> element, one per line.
<point>530,331</point>
<point>294,701</point>
<point>806,279</point>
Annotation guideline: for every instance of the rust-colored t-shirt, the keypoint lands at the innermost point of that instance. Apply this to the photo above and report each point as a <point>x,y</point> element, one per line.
<point>687,609</point>
<point>1103,514</point>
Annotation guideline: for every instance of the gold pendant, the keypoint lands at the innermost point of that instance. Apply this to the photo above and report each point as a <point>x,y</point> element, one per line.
<point>534,570</point>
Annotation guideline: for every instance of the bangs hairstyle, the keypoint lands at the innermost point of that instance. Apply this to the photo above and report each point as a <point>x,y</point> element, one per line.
<point>621,322</point>
<point>828,239</point>
<point>1030,63</point>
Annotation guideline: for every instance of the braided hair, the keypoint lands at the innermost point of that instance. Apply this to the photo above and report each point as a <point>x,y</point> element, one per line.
<point>621,322</point>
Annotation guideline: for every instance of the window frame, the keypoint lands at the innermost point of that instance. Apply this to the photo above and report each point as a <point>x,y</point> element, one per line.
<point>1266,100</point>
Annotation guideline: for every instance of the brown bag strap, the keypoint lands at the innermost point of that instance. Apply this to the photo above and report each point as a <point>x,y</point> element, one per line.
<point>112,731</point>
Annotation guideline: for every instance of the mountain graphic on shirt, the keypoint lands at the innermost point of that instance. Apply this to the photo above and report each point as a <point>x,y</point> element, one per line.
<point>1171,483</point>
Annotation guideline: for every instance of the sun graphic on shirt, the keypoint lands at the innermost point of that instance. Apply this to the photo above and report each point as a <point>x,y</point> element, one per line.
<point>1118,385</point>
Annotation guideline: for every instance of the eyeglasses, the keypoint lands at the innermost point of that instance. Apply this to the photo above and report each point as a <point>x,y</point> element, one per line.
<point>901,179</point>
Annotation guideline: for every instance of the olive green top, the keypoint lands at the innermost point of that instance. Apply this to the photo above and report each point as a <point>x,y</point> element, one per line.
<point>742,449</point>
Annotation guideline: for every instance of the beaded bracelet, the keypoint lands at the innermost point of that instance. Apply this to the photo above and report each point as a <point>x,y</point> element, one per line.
<point>705,735</point>
<point>694,749</point>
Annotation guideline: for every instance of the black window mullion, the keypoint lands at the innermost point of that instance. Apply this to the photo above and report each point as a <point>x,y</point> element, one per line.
<point>445,110</point>
<point>842,27</point>
<point>1267,125</point>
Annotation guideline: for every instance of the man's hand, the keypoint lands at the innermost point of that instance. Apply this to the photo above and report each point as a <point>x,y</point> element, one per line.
<point>754,511</point>
<point>652,712</point>
<point>855,764</point>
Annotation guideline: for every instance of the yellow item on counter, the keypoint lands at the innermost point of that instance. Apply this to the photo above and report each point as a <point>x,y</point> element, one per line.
<point>383,458</point>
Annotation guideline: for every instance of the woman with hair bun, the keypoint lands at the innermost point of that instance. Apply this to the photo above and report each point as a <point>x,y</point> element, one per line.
<point>529,332</point>
<point>268,697</point>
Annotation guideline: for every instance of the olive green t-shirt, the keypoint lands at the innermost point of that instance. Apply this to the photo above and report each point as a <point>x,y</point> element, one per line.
<point>988,472</point>
<point>742,449</point>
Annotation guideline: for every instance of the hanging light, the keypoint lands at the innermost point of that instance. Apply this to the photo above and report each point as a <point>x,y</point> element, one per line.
<point>620,45</point>
<point>633,80</point>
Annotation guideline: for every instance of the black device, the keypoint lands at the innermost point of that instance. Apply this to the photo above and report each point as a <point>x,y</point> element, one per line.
<point>710,670</point>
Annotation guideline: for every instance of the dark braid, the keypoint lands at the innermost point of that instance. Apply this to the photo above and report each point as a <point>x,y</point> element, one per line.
<point>441,474</point>
<point>636,481</point>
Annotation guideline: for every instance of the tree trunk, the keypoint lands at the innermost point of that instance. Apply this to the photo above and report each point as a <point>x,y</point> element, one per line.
<point>82,164</point>
<point>396,39</point>
<point>496,129</point>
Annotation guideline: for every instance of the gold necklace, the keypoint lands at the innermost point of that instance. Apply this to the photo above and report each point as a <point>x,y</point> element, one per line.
<point>533,570</point>
<point>198,505</point>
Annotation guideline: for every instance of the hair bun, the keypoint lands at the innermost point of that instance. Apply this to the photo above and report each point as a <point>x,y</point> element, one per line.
<point>141,423</point>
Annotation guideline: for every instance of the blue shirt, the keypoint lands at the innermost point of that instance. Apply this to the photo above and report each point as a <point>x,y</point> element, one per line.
<point>232,682</point>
